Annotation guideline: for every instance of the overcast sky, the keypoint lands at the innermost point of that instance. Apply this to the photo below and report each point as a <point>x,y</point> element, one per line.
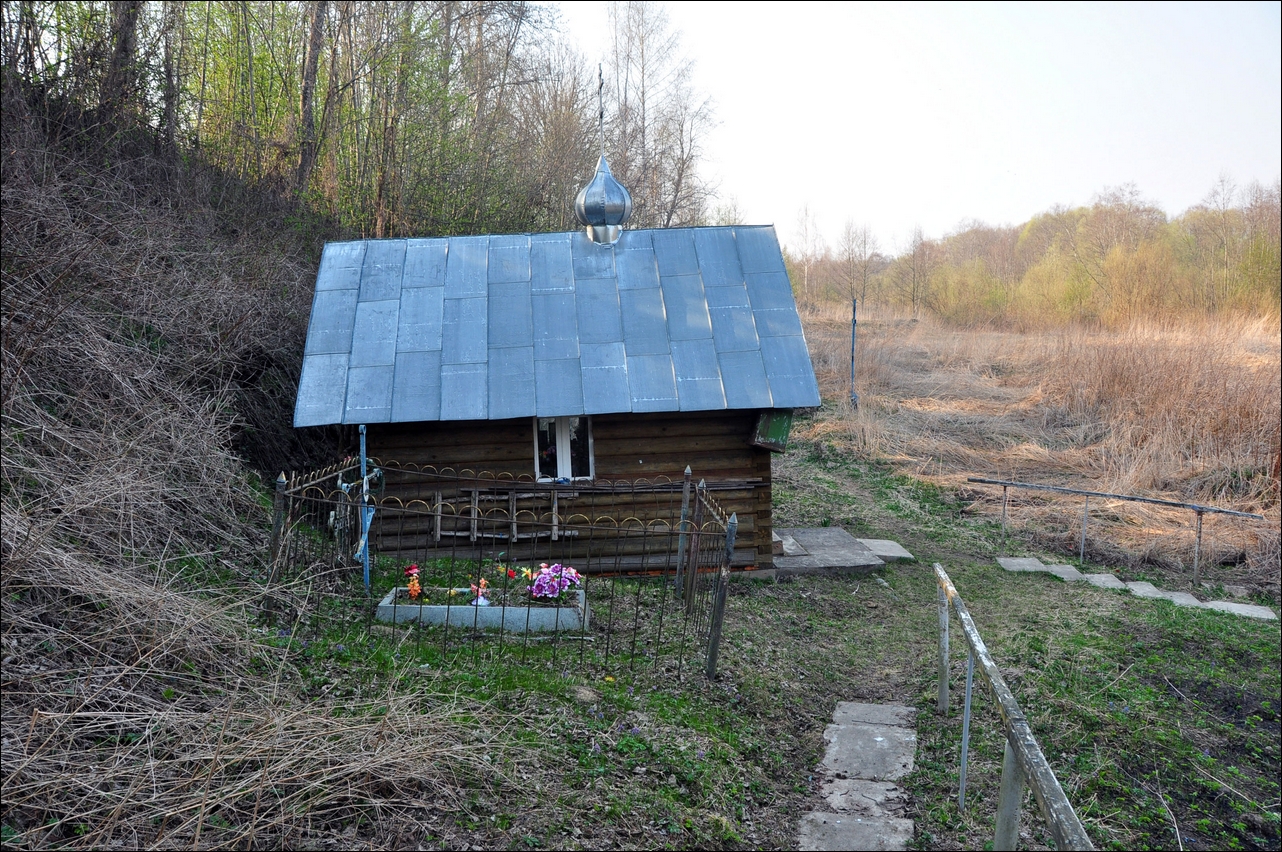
<point>901,114</point>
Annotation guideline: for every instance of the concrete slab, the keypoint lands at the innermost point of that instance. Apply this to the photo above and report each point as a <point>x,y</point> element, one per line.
<point>848,712</point>
<point>827,550</point>
<point>1067,573</point>
<point>1105,581</point>
<point>870,752</point>
<point>1182,599</point>
<point>1139,588</point>
<point>1248,610</point>
<point>886,550</point>
<point>1021,563</point>
<point>856,797</point>
<point>820,831</point>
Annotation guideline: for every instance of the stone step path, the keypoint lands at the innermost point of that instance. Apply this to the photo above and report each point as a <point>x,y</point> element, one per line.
<point>870,746</point>
<point>1138,588</point>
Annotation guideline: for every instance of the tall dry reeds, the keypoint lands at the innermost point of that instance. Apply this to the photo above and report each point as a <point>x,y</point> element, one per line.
<point>1186,412</point>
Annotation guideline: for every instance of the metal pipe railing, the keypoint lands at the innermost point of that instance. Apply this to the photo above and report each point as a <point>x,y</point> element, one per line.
<point>1022,761</point>
<point>1197,509</point>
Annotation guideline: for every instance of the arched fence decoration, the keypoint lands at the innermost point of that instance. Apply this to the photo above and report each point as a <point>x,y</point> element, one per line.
<point>654,555</point>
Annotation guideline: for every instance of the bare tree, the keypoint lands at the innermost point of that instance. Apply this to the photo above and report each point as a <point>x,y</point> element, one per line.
<point>658,122</point>
<point>858,251</point>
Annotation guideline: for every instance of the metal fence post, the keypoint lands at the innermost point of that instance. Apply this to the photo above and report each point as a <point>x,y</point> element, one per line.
<point>719,606</point>
<point>854,325</point>
<point>682,531</point>
<point>965,751</point>
<point>942,706</point>
<point>278,523</point>
<point>692,562</point>
<point>1009,799</point>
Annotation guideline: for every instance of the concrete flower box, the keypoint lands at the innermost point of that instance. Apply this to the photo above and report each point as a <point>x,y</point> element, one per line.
<point>513,619</point>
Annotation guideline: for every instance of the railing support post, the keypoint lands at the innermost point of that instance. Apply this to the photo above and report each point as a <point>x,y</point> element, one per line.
<point>942,705</point>
<point>719,605</point>
<point>1086,507</point>
<point>1005,501</point>
<point>965,753</point>
<point>1009,799</point>
<point>1197,552</point>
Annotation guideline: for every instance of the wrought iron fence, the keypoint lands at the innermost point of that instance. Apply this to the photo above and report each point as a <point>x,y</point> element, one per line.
<point>653,555</point>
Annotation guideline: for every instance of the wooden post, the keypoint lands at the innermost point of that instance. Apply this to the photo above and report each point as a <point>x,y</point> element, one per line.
<point>942,706</point>
<point>719,605</point>
<point>1009,799</point>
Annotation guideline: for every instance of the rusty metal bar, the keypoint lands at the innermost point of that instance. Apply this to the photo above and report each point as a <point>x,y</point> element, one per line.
<point>1061,819</point>
<point>1079,492</point>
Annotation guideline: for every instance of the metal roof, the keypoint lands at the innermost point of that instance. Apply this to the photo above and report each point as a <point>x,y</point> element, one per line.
<point>494,327</point>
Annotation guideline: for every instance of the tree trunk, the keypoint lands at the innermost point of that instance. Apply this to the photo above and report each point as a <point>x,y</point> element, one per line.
<point>121,80</point>
<point>307,119</point>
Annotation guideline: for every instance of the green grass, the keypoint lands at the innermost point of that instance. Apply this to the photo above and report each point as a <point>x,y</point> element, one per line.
<point>1150,714</point>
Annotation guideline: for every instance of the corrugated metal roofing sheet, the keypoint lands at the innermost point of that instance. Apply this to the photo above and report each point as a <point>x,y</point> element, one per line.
<point>470,328</point>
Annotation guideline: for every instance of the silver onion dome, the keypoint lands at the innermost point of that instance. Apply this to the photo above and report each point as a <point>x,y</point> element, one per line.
<point>604,206</point>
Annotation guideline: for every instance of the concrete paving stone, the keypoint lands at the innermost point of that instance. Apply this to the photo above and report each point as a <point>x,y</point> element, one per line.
<point>848,712</point>
<point>1021,563</point>
<point>887,551</point>
<point>1142,589</point>
<point>1067,573</point>
<point>820,831</point>
<point>1104,581</point>
<point>1181,598</point>
<point>870,752</point>
<point>825,550</point>
<point>867,799</point>
<point>1248,610</point>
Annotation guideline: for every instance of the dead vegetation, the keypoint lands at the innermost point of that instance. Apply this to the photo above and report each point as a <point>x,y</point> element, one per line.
<point>1187,413</point>
<point>153,319</point>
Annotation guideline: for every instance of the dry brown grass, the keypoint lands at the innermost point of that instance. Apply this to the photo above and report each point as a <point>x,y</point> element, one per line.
<point>1187,413</point>
<point>151,338</point>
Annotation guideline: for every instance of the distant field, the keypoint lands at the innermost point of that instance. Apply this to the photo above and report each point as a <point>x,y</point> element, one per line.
<point>1186,413</point>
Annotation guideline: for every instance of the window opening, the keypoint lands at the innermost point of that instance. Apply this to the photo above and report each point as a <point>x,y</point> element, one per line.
<point>563,448</point>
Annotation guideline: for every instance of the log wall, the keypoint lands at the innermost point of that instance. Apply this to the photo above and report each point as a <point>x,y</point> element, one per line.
<point>625,447</point>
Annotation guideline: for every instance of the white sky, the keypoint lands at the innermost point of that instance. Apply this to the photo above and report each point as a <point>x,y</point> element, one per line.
<point>920,114</point>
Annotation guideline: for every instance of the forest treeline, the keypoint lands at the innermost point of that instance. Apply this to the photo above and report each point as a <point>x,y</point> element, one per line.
<point>1109,264</point>
<point>394,118</point>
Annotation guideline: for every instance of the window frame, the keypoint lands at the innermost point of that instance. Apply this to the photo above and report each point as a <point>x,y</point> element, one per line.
<point>563,453</point>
